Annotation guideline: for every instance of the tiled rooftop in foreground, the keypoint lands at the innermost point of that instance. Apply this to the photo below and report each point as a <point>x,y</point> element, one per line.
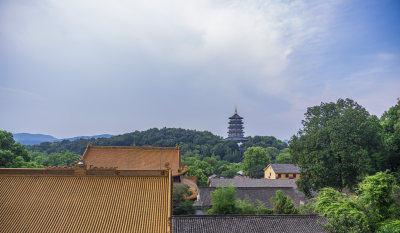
<point>247,224</point>
<point>80,200</point>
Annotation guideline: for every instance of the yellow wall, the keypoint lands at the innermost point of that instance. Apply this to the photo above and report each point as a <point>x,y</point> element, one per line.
<point>283,176</point>
<point>270,174</point>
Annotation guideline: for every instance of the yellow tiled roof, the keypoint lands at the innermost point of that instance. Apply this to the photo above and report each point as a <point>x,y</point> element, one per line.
<point>133,157</point>
<point>53,200</point>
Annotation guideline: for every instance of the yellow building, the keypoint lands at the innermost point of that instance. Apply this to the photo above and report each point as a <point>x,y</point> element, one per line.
<point>281,171</point>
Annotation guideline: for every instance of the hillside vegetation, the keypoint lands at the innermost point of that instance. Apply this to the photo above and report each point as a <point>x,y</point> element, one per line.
<point>203,153</point>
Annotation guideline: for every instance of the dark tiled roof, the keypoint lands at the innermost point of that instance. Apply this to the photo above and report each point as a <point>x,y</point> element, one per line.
<point>254,193</point>
<point>285,168</point>
<point>247,223</point>
<point>247,182</point>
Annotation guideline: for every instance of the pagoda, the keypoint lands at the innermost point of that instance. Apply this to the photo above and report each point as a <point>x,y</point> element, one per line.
<point>236,128</point>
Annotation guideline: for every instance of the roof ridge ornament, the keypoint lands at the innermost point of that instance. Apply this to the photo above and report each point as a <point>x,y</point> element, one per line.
<point>236,109</point>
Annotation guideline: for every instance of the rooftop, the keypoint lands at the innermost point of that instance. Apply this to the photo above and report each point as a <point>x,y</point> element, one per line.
<point>284,168</point>
<point>253,193</point>
<point>247,223</point>
<point>80,200</point>
<point>133,157</point>
<point>248,182</point>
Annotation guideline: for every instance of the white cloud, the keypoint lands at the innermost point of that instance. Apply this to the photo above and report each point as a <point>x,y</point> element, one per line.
<point>239,38</point>
<point>140,58</point>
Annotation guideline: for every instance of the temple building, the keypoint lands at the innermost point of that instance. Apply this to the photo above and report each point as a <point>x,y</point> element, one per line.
<point>84,199</point>
<point>236,128</point>
<point>135,157</point>
<point>140,158</point>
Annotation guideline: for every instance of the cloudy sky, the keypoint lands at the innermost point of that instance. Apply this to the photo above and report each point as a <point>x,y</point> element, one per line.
<point>72,67</point>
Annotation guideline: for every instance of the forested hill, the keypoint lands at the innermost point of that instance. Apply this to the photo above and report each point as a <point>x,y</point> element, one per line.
<point>200,142</point>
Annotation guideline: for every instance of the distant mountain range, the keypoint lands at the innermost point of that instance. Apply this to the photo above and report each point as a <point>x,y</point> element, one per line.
<point>32,139</point>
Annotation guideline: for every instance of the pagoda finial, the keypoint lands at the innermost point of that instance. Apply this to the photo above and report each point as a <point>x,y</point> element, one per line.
<point>235,109</point>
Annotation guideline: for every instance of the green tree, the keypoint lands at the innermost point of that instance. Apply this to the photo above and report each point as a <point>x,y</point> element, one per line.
<point>374,207</point>
<point>261,208</point>
<point>307,208</point>
<point>230,173</point>
<point>343,213</point>
<point>264,142</point>
<point>282,204</point>
<point>377,198</point>
<point>335,145</point>
<point>229,170</point>
<point>181,205</point>
<point>391,226</point>
<point>202,180</point>
<point>64,158</point>
<point>223,200</point>
<point>204,166</point>
<point>272,152</point>
<point>13,154</point>
<point>390,122</point>
<point>284,157</point>
<point>201,177</point>
<point>255,160</point>
<point>244,206</point>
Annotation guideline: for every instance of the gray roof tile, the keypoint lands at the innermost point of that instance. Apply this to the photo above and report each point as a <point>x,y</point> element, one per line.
<point>247,223</point>
<point>247,182</point>
<point>285,168</point>
<point>263,194</point>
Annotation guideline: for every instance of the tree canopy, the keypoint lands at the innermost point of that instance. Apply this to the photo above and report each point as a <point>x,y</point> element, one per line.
<point>390,122</point>
<point>13,154</point>
<point>182,205</point>
<point>203,153</point>
<point>223,200</point>
<point>282,204</point>
<point>254,161</point>
<point>338,145</point>
<point>374,209</point>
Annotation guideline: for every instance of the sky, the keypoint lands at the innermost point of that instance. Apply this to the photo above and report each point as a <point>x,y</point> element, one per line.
<point>71,68</point>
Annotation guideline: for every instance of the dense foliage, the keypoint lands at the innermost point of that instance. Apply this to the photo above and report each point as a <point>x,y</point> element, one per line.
<point>63,158</point>
<point>339,144</point>
<point>13,154</point>
<point>203,153</point>
<point>255,160</point>
<point>224,201</point>
<point>282,204</point>
<point>192,143</point>
<point>390,122</point>
<point>374,209</point>
<point>181,205</point>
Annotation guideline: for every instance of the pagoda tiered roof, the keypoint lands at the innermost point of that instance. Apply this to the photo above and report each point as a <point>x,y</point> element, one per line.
<point>236,128</point>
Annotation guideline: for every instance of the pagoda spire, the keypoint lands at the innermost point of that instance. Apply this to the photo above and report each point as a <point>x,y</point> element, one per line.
<point>235,109</point>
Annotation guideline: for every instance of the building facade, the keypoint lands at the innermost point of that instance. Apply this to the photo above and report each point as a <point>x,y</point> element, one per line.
<point>281,171</point>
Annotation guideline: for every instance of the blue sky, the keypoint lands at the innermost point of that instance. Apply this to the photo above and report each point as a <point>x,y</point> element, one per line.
<point>71,68</point>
